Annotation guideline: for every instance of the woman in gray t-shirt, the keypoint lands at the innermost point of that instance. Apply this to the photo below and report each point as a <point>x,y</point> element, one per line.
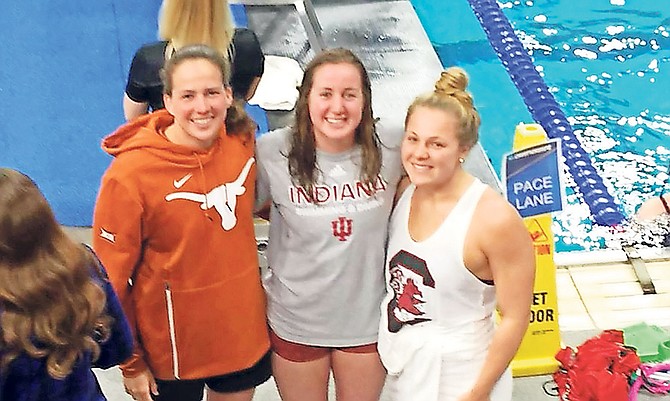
<point>330,183</point>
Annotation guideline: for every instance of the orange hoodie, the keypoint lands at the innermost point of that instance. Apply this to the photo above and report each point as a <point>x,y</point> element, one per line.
<point>174,228</point>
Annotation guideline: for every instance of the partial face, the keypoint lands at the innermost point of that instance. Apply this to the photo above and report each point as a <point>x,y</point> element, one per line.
<point>335,105</point>
<point>430,150</point>
<point>199,103</point>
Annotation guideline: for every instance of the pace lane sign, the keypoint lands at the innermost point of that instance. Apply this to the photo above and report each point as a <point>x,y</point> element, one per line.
<point>533,179</point>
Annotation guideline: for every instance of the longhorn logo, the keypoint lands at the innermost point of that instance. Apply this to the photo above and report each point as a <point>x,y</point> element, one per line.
<point>222,198</point>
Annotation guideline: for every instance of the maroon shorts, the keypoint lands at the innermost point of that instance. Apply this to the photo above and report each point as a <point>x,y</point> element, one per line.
<point>305,353</point>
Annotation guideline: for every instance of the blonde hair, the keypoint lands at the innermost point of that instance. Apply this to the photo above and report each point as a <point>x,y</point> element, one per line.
<point>451,97</point>
<point>49,306</point>
<point>187,22</point>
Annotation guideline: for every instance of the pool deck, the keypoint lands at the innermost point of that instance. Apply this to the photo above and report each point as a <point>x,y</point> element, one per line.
<point>608,294</point>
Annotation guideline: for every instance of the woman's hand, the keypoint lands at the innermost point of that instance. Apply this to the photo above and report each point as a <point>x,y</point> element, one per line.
<point>141,386</point>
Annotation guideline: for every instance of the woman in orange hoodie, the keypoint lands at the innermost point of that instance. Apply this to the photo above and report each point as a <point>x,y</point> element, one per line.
<point>173,224</point>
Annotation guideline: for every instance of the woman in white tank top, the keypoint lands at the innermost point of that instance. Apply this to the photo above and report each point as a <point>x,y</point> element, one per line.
<point>456,251</point>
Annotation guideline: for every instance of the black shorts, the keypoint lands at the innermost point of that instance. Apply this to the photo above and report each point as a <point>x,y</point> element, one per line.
<point>193,390</point>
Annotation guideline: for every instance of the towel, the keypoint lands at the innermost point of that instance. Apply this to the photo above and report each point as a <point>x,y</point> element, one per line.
<point>278,87</point>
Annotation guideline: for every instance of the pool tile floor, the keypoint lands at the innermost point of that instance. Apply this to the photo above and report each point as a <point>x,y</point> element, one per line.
<point>609,296</point>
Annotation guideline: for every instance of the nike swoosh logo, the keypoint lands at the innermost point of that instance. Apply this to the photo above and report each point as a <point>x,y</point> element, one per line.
<point>180,183</point>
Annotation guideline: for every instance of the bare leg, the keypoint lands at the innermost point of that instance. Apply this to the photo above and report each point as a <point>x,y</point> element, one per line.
<point>358,377</point>
<point>245,395</point>
<point>301,381</point>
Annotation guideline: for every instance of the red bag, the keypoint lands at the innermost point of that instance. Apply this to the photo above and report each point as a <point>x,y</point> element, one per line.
<point>599,370</point>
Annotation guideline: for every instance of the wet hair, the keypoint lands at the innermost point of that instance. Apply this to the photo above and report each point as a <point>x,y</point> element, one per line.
<point>302,152</point>
<point>187,22</point>
<point>451,97</point>
<point>238,121</point>
<point>49,306</point>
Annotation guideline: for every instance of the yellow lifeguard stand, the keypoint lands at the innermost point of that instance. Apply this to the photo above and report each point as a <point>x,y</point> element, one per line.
<point>542,339</point>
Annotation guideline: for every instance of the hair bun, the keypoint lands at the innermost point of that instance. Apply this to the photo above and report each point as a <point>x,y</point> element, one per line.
<point>452,83</point>
<point>452,80</point>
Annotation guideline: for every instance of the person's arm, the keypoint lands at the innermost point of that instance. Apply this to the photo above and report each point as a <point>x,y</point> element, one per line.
<point>263,191</point>
<point>136,97</point>
<point>248,64</point>
<point>508,248</point>
<point>651,208</point>
<point>117,240</point>
<point>263,200</point>
<point>119,346</point>
<point>133,109</point>
<point>252,88</point>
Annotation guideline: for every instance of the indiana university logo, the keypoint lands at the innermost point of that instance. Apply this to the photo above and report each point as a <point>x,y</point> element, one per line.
<point>341,228</point>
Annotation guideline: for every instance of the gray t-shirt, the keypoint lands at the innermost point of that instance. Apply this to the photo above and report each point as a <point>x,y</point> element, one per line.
<point>326,261</point>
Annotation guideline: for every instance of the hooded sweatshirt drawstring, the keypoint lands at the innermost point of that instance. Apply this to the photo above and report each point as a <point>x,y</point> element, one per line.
<point>204,185</point>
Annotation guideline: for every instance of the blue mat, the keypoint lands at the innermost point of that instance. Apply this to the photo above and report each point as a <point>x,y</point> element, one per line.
<point>63,74</point>
<point>61,85</point>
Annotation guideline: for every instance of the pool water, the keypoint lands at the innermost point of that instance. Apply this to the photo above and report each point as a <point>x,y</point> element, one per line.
<point>607,65</point>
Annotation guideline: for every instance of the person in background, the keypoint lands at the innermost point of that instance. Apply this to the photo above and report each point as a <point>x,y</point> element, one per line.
<point>654,207</point>
<point>657,210</point>
<point>457,250</point>
<point>184,22</point>
<point>174,224</point>
<point>59,315</point>
<point>330,182</point>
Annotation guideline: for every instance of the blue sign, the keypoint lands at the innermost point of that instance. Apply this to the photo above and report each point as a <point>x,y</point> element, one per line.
<point>533,179</point>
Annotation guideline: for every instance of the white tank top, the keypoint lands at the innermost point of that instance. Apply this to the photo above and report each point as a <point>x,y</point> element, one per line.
<point>437,317</point>
<point>429,289</point>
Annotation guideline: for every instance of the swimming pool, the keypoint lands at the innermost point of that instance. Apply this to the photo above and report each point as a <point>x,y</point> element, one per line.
<point>605,62</point>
